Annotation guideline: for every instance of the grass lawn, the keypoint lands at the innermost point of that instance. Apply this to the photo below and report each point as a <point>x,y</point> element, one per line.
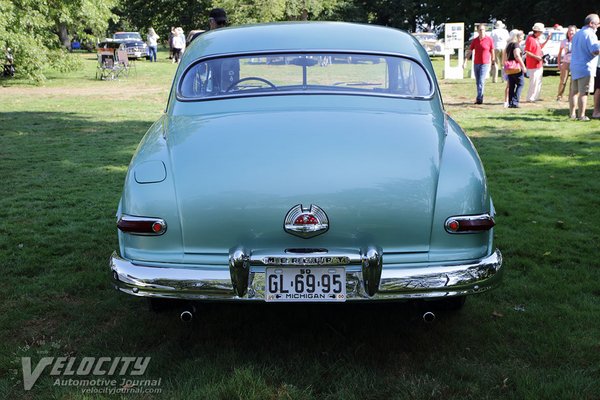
<point>64,151</point>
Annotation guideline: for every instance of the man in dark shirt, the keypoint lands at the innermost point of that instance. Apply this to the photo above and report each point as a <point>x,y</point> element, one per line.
<point>217,18</point>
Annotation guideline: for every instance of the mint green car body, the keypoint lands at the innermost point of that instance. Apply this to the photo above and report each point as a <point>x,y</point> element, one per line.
<point>388,171</point>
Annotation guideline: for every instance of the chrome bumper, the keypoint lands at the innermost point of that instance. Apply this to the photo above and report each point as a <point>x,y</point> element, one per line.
<point>366,278</point>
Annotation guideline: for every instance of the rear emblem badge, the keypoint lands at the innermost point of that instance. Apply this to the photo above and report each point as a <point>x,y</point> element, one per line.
<point>306,222</point>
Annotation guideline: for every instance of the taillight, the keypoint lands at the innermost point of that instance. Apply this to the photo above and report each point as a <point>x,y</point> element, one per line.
<point>142,225</point>
<point>469,223</point>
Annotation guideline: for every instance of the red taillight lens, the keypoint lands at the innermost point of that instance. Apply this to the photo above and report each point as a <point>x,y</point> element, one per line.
<point>469,223</point>
<point>142,225</point>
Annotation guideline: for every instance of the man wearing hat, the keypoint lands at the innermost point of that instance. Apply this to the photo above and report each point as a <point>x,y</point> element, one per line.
<point>500,37</point>
<point>534,61</point>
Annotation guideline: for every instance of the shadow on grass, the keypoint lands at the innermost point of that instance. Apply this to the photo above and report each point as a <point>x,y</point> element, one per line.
<point>61,136</point>
<point>278,333</point>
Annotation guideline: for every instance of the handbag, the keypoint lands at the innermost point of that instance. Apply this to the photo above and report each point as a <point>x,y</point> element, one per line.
<point>511,67</point>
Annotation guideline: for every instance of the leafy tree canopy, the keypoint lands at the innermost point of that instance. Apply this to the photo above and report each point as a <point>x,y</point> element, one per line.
<point>38,32</point>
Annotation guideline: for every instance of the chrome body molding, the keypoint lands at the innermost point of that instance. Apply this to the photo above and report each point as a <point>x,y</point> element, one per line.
<point>366,278</point>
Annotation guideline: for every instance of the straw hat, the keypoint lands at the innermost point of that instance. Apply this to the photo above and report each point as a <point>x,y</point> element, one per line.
<point>499,25</point>
<point>538,27</point>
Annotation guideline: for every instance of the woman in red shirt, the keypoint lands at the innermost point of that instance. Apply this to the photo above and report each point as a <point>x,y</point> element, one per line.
<point>533,61</point>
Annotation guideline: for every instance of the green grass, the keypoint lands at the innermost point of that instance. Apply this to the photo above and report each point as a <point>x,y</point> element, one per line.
<point>64,150</point>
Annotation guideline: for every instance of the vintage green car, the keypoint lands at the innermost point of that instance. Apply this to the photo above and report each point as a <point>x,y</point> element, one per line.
<point>306,162</point>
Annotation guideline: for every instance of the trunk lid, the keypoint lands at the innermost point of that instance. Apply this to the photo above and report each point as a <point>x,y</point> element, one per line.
<point>373,173</point>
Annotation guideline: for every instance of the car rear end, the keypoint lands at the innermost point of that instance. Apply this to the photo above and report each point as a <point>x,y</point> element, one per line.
<point>306,180</point>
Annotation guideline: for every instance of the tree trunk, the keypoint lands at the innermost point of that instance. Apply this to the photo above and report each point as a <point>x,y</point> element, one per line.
<point>63,35</point>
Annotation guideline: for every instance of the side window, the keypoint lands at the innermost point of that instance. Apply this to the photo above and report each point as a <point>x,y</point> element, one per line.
<point>196,82</point>
<point>210,78</point>
<point>411,79</point>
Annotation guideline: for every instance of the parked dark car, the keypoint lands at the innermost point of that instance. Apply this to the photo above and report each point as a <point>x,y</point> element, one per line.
<point>135,45</point>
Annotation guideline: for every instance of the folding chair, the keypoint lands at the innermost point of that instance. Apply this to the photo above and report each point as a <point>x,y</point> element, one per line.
<point>123,63</point>
<point>107,69</point>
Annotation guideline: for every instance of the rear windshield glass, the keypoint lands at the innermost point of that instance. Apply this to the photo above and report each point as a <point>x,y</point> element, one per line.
<point>310,73</point>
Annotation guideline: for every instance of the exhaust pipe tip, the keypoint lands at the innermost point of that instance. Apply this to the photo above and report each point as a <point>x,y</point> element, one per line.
<point>428,317</point>
<point>186,316</point>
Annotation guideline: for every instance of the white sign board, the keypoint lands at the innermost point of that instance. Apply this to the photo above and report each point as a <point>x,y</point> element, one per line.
<point>454,38</point>
<point>454,35</point>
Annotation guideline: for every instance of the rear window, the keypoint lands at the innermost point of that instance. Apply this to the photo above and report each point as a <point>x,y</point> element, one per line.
<point>305,73</point>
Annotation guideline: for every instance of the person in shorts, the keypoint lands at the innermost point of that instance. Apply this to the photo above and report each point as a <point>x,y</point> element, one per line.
<point>584,60</point>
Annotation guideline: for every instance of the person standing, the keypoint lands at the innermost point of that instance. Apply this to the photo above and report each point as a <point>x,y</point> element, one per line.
<point>584,49</point>
<point>534,61</point>
<point>596,113</point>
<point>178,44</point>
<point>500,38</point>
<point>483,46</point>
<point>217,18</point>
<point>516,81</point>
<point>171,36</point>
<point>9,64</point>
<point>564,60</point>
<point>152,42</point>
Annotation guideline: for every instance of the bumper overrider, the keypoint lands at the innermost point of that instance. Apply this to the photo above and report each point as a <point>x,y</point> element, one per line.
<point>366,276</point>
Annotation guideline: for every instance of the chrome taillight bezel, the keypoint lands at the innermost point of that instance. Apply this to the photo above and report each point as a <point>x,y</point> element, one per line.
<point>469,223</point>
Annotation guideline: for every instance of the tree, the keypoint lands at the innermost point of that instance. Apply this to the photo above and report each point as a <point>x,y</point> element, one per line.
<point>39,32</point>
<point>193,14</point>
<point>139,15</point>
<point>257,11</point>
<point>77,16</point>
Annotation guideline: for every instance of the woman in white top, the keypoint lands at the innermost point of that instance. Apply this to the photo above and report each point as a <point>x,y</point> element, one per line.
<point>152,42</point>
<point>178,44</point>
<point>564,60</point>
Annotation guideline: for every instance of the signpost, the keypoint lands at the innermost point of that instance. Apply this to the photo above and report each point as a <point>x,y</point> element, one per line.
<point>454,38</point>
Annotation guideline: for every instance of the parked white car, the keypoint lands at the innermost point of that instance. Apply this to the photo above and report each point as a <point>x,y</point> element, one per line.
<point>552,47</point>
<point>431,43</point>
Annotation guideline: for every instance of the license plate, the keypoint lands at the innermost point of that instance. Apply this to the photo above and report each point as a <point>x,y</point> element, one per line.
<point>315,284</point>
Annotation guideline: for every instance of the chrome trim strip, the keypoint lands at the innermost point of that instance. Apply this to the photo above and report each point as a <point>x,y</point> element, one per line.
<point>411,282</point>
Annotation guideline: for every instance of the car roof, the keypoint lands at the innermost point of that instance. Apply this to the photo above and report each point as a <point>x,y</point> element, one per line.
<point>305,36</point>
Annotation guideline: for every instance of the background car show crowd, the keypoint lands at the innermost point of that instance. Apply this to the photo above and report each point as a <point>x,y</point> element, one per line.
<point>505,54</point>
<point>178,41</point>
